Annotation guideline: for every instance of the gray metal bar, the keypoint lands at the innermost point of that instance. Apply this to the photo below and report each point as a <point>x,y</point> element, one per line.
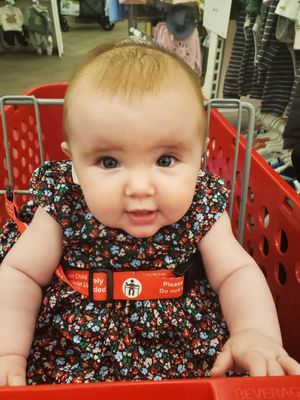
<point>232,103</point>
<point>39,128</point>
<point>6,143</point>
<point>208,107</point>
<point>16,191</point>
<point>236,155</point>
<point>30,100</point>
<point>130,17</point>
<point>23,100</point>
<point>26,101</point>
<point>246,173</point>
<point>229,103</point>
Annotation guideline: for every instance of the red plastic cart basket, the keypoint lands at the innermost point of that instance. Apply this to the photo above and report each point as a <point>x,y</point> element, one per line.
<point>271,236</point>
<point>272,224</point>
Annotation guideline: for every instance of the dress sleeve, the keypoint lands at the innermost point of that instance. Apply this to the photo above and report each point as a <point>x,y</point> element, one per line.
<point>212,200</point>
<point>49,186</point>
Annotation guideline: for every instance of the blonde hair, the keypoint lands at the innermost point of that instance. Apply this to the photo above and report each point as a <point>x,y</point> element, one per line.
<point>129,70</point>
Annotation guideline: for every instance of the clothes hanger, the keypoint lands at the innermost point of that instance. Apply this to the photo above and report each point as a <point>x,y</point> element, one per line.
<point>283,167</point>
<point>272,134</point>
<point>272,121</point>
<point>38,6</point>
<point>273,148</point>
<point>10,3</point>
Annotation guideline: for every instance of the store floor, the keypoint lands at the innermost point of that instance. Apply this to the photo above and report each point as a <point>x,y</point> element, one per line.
<point>22,68</point>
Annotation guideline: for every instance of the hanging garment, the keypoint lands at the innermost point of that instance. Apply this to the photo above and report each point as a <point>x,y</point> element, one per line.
<point>256,34</point>
<point>275,67</point>
<point>247,78</point>
<point>11,18</point>
<point>291,134</point>
<point>296,60</point>
<point>12,38</point>
<point>271,76</point>
<point>181,21</point>
<point>287,9</point>
<point>289,20</point>
<point>288,14</point>
<point>41,42</point>
<point>297,31</point>
<point>39,26</point>
<point>241,77</point>
<point>115,10</point>
<point>37,19</point>
<point>187,49</point>
<point>296,160</point>
<point>252,7</point>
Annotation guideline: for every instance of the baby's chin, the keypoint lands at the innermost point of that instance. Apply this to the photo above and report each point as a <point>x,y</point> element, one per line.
<point>145,234</point>
<point>142,232</point>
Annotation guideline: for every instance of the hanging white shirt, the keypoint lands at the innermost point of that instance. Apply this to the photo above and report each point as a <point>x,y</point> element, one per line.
<point>11,18</point>
<point>287,9</point>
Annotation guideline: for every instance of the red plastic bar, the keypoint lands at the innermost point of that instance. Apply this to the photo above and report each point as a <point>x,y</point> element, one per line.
<point>264,388</point>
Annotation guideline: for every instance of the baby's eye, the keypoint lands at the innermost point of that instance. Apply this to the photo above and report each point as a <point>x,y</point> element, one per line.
<point>108,162</point>
<point>166,161</point>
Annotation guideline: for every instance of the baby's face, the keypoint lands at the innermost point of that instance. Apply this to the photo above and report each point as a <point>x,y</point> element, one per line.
<point>137,162</point>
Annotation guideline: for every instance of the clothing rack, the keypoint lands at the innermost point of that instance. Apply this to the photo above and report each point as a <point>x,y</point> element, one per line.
<point>57,35</point>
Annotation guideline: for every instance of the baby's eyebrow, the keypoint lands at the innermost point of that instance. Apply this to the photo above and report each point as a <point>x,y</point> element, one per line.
<point>178,145</point>
<point>107,148</point>
<point>103,149</point>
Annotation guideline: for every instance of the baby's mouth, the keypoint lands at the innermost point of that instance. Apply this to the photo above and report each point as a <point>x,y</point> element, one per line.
<point>141,217</point>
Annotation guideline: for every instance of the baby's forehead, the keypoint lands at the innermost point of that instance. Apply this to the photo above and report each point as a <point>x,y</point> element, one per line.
<point>131,93</point>
<point>174,99</point>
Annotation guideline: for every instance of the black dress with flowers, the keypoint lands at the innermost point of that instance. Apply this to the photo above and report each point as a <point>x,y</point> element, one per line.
<point>77,340</point>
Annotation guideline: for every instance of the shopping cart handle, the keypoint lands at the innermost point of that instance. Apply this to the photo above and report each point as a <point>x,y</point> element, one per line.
<point>262,388</point>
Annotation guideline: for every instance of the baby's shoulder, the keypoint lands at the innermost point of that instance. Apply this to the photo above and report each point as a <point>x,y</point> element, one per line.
<point>52,174</point>
<point>209,203</point>
<point>52,179</point>
<point>52,188</point>
<point>209,183</point>
<point>55,169</point>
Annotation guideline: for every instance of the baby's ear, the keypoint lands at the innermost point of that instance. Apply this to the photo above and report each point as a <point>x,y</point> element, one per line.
<point>65,148</point>
<point>205,144</point>
<point>204,148</point>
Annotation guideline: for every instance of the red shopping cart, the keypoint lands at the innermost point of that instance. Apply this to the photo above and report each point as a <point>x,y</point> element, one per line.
<point>270,229</point>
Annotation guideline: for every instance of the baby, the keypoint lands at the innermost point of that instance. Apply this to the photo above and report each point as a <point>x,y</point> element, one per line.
<point>101,284</point>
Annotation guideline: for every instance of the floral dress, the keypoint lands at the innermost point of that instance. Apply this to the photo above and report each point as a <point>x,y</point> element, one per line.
<point>78,340</point>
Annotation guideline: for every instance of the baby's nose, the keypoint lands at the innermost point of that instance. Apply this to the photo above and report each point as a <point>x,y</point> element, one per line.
<point>139,185</point>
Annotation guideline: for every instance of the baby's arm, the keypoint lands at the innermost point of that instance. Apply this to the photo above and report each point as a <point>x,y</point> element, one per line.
<point>255,343</point>
<point>27,267</point>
